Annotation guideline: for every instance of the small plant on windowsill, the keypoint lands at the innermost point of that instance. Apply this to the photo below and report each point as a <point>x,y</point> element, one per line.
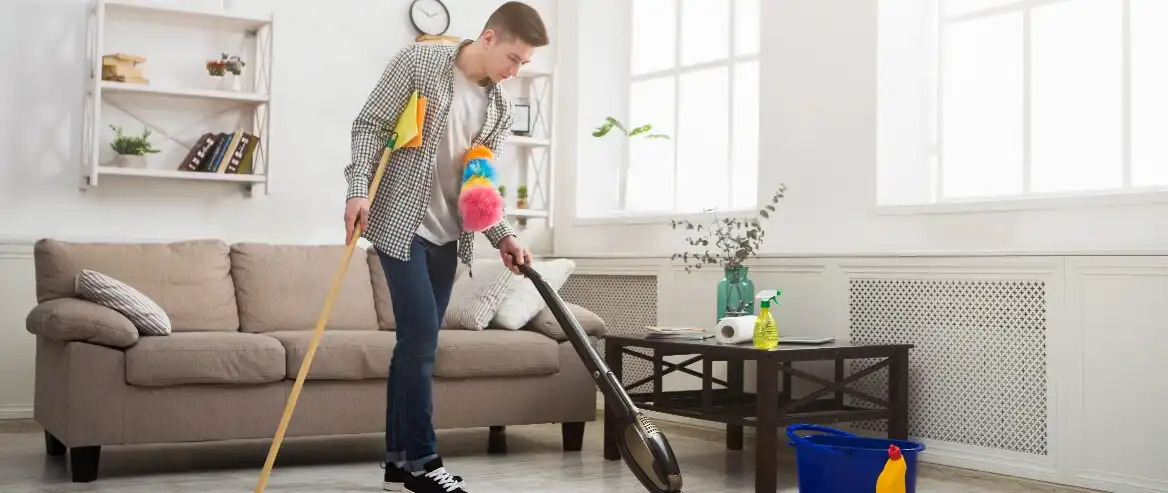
<point>611,123</point>
<point>132,150</point>
<point>728,242</point>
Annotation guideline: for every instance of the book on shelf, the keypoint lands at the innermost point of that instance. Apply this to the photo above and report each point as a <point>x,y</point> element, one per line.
<point>123,67</point>
<point>227,153</point>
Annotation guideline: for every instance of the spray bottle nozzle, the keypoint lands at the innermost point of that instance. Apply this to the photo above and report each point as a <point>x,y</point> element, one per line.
<point>768,296</point>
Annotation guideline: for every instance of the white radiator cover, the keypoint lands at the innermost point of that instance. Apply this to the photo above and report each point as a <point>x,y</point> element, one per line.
<point>978,368</point>
<point>626,303</point>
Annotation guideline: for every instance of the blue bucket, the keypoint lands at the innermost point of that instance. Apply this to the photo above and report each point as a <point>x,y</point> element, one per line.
<point>836,461</point>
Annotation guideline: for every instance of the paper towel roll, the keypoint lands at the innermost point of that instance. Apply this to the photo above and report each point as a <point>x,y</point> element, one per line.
<point>735,330</point>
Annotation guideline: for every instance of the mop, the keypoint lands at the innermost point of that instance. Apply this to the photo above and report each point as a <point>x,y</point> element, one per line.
<point>644,448</point>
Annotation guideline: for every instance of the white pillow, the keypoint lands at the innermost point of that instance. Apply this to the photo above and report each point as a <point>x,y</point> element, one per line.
<point>474,300</point>
<point>522,301</point>
<point>144,313</point>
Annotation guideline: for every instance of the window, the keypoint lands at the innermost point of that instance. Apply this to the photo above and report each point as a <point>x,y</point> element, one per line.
<point>693,75</point>
<point>989,99</point>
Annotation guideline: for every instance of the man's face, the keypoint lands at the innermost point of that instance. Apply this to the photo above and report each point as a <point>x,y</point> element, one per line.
<point>505,57</point>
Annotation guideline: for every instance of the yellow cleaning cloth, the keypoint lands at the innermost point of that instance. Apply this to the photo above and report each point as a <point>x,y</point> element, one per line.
<point>409,125</point>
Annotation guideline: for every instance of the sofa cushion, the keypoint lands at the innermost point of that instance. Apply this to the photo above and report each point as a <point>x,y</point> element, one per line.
<point>283,287</point>
<point>545,322</point>
<point>205,357</point>
<point>382,302</point>
<point>190,280</point>
<point>340,355</point>
<point>72,319</point>
<point>495,353</point>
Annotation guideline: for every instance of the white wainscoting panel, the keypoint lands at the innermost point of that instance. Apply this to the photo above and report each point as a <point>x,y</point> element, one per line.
<point>1121,306</point>
<point>17,346</point>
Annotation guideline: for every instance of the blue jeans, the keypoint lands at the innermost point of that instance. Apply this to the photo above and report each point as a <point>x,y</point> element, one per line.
<point>420,290</point>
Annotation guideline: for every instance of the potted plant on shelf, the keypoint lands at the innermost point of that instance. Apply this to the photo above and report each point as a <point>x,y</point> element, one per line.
<point>521,197</point>
<point>728,242</point>
<point>132,150</point>
<point>224,72</point>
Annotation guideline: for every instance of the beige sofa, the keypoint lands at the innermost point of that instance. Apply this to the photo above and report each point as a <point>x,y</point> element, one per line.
<point>242,318</point>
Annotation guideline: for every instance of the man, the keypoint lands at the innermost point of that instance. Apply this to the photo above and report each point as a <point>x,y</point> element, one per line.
<point>413,221</point>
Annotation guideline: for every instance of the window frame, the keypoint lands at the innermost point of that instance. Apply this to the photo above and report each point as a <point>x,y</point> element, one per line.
<point>1126,194</point>
<point>622,214</point>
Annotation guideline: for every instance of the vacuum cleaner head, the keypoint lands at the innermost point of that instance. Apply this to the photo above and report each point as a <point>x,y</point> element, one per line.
<point>648,455</point>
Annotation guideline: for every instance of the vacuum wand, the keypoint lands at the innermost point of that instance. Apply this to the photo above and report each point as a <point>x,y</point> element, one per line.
<point>642,445</point>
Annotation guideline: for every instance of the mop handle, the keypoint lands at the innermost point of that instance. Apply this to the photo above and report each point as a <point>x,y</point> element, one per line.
<point>318,332</point>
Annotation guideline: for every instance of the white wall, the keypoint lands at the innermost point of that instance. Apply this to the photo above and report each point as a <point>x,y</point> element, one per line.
<point>319,84</point>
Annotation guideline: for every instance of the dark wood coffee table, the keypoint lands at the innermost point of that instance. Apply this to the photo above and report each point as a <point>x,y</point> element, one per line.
<point>770,407</point>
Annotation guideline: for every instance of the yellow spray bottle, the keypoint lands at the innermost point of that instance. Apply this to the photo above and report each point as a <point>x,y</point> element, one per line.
<point>766,331</point>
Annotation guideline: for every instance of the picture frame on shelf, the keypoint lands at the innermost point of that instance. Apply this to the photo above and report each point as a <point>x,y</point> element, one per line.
<point>522,125</point>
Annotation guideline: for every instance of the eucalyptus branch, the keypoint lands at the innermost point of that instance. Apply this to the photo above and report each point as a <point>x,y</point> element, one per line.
<point>734,240</point>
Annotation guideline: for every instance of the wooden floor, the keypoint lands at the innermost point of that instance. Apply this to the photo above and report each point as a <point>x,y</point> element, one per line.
<point>534,462</point>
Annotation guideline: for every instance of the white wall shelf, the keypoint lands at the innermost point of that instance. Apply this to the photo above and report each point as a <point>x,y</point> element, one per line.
<point>525,141</point>
<point>162,13</point>
<point>176,86</point>
<point>527,213</point>
<point>181,175</point>
<point>208,94</point>
<point>534,149</point>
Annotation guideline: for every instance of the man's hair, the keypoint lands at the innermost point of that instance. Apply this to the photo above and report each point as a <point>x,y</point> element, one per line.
<point>518,20</point>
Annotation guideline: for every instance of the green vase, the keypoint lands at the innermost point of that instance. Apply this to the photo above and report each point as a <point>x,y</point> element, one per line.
<point>735,293</point>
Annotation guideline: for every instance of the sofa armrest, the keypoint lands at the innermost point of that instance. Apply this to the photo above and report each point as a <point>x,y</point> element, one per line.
<point>545,323</point>
<point>73,319</point>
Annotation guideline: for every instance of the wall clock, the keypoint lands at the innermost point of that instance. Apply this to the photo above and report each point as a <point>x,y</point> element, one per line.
<point>430,17</point>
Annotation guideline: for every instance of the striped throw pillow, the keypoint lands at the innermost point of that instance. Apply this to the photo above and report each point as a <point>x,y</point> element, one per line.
<point>144,313</point>
<point>474,300</point>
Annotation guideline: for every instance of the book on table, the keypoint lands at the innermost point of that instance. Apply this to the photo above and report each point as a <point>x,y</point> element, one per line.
<point>677,332</point>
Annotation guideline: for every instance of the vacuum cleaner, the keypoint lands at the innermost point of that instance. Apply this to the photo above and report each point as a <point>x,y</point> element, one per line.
<point>643,447</point>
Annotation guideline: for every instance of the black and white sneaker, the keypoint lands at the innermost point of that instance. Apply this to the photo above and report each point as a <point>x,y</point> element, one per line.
<point>434,480</point>
<point>395,478</point>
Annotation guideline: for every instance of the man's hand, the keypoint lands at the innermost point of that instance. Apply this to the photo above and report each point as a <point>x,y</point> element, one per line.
<point>513,254</point>
<point>356,210</point>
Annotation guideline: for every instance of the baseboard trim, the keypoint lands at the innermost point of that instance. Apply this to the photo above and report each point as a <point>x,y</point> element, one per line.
<point>1006,463</point>
<point>19,411</point>
<point>1121,483</point>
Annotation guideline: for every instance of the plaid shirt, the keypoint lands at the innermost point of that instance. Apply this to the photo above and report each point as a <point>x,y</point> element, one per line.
<point>404,194</point>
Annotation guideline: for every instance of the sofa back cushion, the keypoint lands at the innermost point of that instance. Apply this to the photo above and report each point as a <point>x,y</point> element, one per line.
<point>283,287</point>
<point>190,280</point>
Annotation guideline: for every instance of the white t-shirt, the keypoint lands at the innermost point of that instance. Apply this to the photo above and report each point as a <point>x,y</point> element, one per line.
<point>468,110</point>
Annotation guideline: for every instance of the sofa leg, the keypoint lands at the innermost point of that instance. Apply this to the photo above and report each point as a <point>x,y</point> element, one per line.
<point>497,440</point>
<point>83,463</point>
<point>53,446</point>
<point>573,436</point>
